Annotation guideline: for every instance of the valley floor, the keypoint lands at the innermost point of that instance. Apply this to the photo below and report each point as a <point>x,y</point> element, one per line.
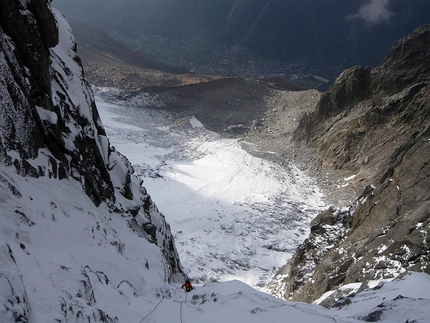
<point>233,215</point>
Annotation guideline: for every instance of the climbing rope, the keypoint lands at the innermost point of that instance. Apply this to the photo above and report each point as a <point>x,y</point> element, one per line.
<point>152,311</point>
<point>180,311</point>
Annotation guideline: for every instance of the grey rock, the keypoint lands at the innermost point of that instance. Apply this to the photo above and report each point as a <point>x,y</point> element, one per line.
<point>375,123</point>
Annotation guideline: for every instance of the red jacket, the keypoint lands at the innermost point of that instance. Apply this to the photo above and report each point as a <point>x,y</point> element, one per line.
<point>187,286</point>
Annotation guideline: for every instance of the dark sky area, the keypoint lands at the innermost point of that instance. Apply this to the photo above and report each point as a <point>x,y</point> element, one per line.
<point>343,32</point>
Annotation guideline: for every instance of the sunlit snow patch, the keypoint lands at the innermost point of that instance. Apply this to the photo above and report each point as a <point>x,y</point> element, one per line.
<point>195,123</point>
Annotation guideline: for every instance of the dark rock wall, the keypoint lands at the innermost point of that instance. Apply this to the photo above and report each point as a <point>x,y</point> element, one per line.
<point>377,124</point>
<point>407,63</point>
<point>25,61</point>
<point>352,86</point>
<point>28,34</point>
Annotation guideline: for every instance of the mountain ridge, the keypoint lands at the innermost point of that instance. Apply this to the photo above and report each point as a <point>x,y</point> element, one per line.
<point>376,123</point>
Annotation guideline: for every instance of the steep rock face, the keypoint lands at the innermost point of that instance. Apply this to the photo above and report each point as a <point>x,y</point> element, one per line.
<point>386,102</point>
<point>37,109</point>
<point>375,123</point>
<point>54,156</point>
<point>351,86</point>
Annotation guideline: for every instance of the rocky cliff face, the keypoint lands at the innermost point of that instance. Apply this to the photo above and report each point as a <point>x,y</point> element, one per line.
<point>38,109</point>
<point>375,123</point>
<point>51,136</point>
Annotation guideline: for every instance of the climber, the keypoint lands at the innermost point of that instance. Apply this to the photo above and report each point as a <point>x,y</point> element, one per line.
<point>188,286</point>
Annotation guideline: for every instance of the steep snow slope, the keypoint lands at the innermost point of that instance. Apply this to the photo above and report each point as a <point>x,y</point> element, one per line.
<point>80,237</point>
<point>400,301</point>
<point>78,263</point>
<point>60,255</point>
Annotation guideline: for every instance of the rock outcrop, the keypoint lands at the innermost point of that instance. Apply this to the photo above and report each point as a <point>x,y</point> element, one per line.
<point>375,123</point>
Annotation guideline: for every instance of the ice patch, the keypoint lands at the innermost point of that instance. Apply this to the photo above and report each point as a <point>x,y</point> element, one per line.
<point>195,123</point>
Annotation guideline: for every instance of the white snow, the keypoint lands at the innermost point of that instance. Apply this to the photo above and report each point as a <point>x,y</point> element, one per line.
<point>195,123</point>
<point>349,178</point>
<point>47,115</point>
<point>69,71</point>
<point>234,216</point>
<point>54,244</point>
<point>61,248</point>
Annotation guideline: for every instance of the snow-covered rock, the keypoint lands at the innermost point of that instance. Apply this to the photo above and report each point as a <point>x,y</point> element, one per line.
<point>80,236</point>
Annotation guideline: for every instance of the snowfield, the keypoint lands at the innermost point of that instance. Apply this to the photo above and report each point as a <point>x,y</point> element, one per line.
<point>233,216</point>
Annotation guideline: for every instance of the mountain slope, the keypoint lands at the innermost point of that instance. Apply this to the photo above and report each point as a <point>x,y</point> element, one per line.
<point>76,225</point>
<point>314,36</point>
<point>110,63</point>
<point>93,41</point>
<point>375,123</point>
